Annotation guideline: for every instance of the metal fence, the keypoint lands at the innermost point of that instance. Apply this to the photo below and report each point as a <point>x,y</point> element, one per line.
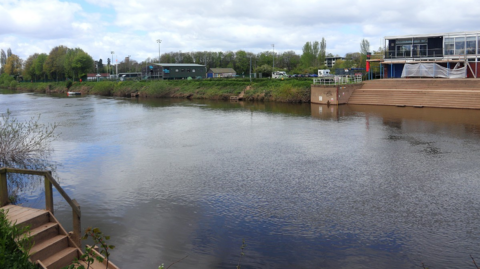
<point>338,80</point>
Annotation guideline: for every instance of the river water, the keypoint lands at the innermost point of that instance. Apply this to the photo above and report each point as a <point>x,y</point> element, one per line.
<point>305,186</point>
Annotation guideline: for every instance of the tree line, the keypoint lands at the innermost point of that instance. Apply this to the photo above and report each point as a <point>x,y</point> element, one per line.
<point>63,62</point>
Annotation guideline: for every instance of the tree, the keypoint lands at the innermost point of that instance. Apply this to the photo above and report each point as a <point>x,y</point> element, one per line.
<point>264,58</point>
<point>25,145</point>
<point>77,63</point>
<point>315,52</point>
<point>307,59</point>
<point>364,47</point>
<point>3,60</point>
<point>29,67</point>
<point>288,60</point>
<point>14,65</point>
<point>9,53</point>
<point>187,58</point>
<point>82,63</point>
<point>54,64</point>
<point>100,65</point>
<point>20,142</point>
<point>265,69</point>
<point>323,51</point>
<point>242,62</point>
<point>39,63</point>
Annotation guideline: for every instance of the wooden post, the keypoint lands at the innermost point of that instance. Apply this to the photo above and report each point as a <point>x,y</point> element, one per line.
<point>48,194</point>
<point>3,188</point>
<point>77,228</point>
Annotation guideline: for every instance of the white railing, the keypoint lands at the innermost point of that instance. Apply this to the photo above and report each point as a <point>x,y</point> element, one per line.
<point>337,80</point>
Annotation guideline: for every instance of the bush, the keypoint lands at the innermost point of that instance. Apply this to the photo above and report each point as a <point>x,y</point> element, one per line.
<point>103,88</point>
<point>13,255</point>
<point>5,80</point>
<point>68,84</point>
<point>13,84</point>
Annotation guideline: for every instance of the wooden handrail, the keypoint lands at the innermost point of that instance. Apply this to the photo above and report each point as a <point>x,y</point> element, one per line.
<point>49,181</point>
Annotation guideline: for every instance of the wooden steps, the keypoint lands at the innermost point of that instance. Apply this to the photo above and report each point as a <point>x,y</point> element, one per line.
<point>419,93</point>
<point>52,247</point>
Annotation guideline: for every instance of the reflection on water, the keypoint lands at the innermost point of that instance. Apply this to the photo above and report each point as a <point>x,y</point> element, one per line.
<point>306,186</point>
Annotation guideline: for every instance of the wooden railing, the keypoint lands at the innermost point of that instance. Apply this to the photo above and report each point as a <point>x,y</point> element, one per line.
<point>49,181</point>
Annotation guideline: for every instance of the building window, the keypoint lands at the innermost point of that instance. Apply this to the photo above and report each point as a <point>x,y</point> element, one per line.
<point>449,45</point>
<point>404,50</point>
<point>176,70</point>
<point>478,42</point>
<point>193,70</point>
<point>183,70</point>
<point>419,50</point>
<point>471,44</point>
<point>188,70</point>
<point>459,45</point>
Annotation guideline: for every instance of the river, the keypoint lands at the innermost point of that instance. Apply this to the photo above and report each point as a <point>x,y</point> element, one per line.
<point>303,185</point>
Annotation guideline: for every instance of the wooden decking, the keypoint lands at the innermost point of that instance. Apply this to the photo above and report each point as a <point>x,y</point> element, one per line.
<point>442,93</point>
<point>53,247</point>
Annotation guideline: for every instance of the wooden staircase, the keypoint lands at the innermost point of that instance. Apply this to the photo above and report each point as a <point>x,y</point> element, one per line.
<point>53,247</point>
<point>419,93</point>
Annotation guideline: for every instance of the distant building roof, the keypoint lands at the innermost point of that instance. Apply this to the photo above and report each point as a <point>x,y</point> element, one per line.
<point>433,35</point>
<point>221,70</point>
<point>179,65</point>
<point>95,74</point>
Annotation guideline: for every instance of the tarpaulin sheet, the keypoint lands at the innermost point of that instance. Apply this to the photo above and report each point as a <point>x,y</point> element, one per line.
<point>433,70</point>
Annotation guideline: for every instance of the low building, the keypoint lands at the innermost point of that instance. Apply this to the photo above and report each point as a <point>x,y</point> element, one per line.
<point>444,55</point>
<point>221,73</point>
<point>93,76</point>
<point>174,71</point>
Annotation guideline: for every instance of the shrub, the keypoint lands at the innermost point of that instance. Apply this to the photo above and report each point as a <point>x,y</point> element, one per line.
<point>13,84</point>
<point>68,84</point>
<point>13,255</point>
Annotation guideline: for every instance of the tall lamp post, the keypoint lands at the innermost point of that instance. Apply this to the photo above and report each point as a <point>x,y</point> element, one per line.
<point>159,41</point>
<point>273,69</point>
<point>128,64</point>
<point>112,60</point>
<point>250,69</point>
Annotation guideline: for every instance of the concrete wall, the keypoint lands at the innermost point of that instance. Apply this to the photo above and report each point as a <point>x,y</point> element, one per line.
<point>332,94</point>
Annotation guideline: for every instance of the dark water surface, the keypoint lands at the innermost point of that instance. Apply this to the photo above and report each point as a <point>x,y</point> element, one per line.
<point>306,186</point>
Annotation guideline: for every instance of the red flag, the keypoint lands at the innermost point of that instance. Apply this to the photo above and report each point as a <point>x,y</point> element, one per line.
<point>368,67</point>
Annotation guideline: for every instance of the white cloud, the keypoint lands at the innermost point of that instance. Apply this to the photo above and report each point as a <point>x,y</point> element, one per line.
<point>132,27</point>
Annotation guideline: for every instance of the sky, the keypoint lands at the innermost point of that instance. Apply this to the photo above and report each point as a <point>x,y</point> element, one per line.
<point>132,27</point>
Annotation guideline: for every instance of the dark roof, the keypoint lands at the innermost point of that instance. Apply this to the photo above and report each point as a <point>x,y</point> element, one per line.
<point>179,65</point>
<point>95,74</point>
<point>221,70</point>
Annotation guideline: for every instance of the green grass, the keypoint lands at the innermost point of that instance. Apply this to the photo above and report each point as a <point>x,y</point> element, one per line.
<point>288,90</point>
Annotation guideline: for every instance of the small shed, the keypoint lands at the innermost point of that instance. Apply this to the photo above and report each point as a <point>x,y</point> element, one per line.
<point>174,71</point>
<point>221,73</point>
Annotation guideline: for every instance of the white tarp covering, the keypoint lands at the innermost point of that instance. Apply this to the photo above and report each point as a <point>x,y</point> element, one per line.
<point>433,70</point>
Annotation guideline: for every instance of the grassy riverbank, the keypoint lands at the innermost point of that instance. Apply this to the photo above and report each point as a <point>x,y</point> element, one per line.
<point>288,90</point>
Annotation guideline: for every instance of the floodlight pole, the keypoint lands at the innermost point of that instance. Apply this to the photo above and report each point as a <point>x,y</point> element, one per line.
<point>250,69</point>
<point>273,45</point>
<point>159,41</point>
<point>112,60</point>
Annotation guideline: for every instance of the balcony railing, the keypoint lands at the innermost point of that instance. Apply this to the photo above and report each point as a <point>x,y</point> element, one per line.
<point>415,54</point>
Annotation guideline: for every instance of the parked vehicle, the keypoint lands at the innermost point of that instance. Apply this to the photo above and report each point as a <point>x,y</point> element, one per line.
<point>279,74</point>
<point>325,76</point>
